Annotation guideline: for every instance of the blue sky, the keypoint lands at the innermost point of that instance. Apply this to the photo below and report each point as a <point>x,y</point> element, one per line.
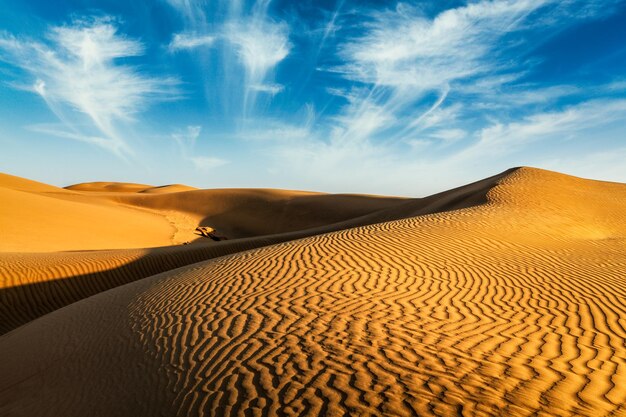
<point>403,98</point>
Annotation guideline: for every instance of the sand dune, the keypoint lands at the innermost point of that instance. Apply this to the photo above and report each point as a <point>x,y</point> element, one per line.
<point>37,283</point>
<point>109,187</point>
<point>36,217</point>
<point>514,304</point>
<point>171,188</point>
<point>106,215</point>
<point>128,187</point>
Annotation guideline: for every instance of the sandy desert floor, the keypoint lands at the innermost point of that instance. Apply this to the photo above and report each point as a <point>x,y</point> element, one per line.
<point>506,297</point>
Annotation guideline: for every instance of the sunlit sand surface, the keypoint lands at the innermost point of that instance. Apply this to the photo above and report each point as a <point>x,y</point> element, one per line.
<point>506,297</point>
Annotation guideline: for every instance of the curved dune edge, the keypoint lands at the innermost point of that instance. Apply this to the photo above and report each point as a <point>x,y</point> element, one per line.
<point>501,309</point>
<point>35,284</point>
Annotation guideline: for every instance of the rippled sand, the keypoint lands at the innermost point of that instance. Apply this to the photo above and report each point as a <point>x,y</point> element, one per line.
<point>513,304</point>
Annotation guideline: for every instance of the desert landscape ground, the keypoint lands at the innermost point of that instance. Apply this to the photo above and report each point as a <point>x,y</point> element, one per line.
<point>505,297</point>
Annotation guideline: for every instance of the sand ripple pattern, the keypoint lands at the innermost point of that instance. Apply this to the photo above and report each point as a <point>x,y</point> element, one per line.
<point>398,319</point>
<point>487,311</point>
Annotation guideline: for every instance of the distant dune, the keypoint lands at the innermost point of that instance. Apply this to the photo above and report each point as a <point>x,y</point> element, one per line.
<point>104,215</point>
<point>171,188</point>
<point>109,187</point>
<point>128,187</point>
<point>506,297</point>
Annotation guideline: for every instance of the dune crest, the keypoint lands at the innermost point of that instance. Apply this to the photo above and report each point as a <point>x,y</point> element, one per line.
<point>109,187</point>
<point>514,306</point>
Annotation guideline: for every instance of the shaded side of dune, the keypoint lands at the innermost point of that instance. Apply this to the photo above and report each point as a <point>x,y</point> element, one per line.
<point>244,213</point>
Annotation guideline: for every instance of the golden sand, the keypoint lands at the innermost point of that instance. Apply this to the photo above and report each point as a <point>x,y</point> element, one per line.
<point>503,298</point>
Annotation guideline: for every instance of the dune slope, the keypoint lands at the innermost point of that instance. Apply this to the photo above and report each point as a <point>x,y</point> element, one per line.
<point>34,284</point>
<point>514,307</point>
<point>35,217</point>
<point>105,215</point>
<point>244,213</point>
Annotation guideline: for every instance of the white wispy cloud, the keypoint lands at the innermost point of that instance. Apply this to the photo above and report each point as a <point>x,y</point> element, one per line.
<point>435,115</point>
<point>490,97</point>
<point>190,40</point>
<point>461,54</point>
<point>279,131</point>
<point>361,121</point>
<point>186,141</point>
<point>403,56</point>
<point>260,45</point>
<point>553,139</point>
<point>616,86</point>
<point>187,138</point>
<point>272,89</point>
<point>206,163</point>
<point>75,70</point>
<point>250,45</point>
<point>568,124</point>
<point>404,48</point>
<point>61,131</point>
<point>449,135</point>
<point>191,10</point>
